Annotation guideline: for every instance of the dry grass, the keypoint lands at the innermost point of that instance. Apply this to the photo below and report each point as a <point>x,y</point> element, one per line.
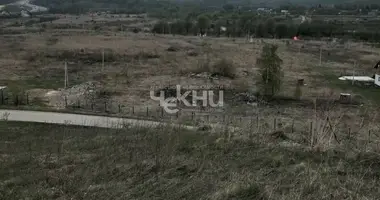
<point>224,68</point>
<point>64,162</point>
<point>291,151</point>
<point>220,68</point>
<point>136,62</point>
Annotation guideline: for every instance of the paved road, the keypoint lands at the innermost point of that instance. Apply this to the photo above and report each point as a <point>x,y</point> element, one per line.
<point>77,119</point>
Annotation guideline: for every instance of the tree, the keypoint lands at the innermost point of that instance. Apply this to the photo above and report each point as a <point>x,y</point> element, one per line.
<point>298,92</point>
<point>270,26</point>
<point>260,30</point>
<point>178,27</point>
<point>188,26</point>
<point>245,23</point>
<point>203,23</point>
<point>292,30</point>
<point>234,26</point>
<point>228,7</point>
<point>270,71</point>
<point>161,27</point>
<point>281,30</point>
<point>217,27</point>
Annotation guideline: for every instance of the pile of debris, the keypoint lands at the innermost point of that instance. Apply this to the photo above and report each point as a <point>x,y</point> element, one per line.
<point>246,97</point>
<point>82,94</point>
<point>206,75</point>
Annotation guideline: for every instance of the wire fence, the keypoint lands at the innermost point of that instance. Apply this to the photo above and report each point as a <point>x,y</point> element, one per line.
<point>106,106</point>
<point>190,116</point>
<point>255,122</point>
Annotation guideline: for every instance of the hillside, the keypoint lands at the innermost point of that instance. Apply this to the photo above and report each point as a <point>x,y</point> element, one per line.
<point>63,162</point>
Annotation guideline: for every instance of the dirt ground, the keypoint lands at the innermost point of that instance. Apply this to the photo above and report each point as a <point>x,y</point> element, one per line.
<point>135,63</point>
<point>311,148</point>
<point>68,162</point>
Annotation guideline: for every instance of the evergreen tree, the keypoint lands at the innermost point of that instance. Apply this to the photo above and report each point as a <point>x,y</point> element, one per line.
<point>270,71</point>
<point>203,23</point>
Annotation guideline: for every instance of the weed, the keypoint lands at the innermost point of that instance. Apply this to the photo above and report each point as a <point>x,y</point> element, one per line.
<point>224,68</point>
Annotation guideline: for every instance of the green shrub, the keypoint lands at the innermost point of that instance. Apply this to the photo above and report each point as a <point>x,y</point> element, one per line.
<point>224,68</point>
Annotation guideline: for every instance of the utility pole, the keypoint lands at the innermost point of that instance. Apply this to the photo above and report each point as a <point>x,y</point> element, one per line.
<point>320,56</point>
<point>66,76</point>
<point>353,73</point>
<point>102,59</point>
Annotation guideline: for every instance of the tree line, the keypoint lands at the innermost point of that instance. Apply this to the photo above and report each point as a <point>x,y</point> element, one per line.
<point>169,8</point>
<point>238,19</point>
<point>243,26</point>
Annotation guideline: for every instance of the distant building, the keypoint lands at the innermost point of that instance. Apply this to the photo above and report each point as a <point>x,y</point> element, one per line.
<point>285,12</point>
<point>377,66</point>
<point>4,13</point>
<point>377,79</point>
<point>377,76</point>
<point>373,13</point>
<point>25,13</point>
<point>264,10</point>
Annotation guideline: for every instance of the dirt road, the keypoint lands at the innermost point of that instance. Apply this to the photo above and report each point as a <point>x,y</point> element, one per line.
<point>77,119</point>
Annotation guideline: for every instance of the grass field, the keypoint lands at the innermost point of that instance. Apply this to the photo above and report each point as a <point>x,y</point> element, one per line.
<point>288,148</point>
<point>62,162</point>
<point>135,63</point>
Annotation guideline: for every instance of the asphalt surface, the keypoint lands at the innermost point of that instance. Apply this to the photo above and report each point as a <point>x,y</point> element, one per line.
<point>79,120</point>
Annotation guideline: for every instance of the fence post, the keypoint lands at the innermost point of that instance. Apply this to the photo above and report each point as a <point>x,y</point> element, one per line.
<point>293,126</point>
<point>16,102</point>
<point>2,97</point>
<point>147,111</point>
<point>65,101</point>
<point>257,122</point>
<point>274,124</point>
<point>27,98</point>
<point>22,98</point>
<point>349,132</point>
<point>105,106</point>
<point>369,138</point>
<point>133,109</point>
<point>311,134</point>
<point>92,106</point>
<point>119,108</point>
<point>250,125</point>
